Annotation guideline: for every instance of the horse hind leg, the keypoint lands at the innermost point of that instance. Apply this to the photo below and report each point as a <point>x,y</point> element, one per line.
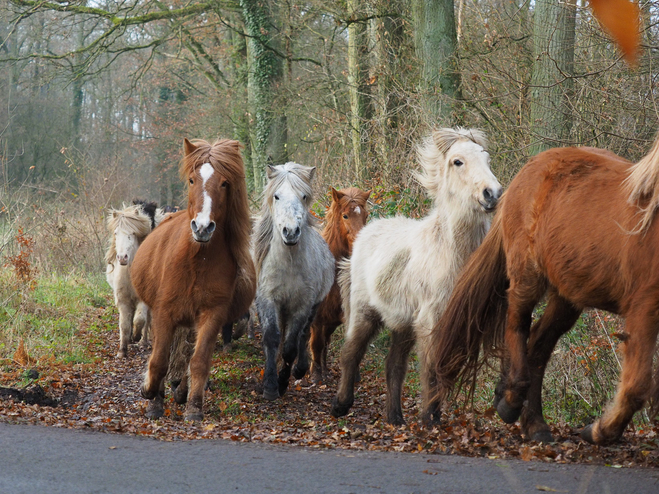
<point>227,335</point>
<point>402,342</point>
<point>559,316</point>
<point>364,325</point>
<point>317,344</point>
<point>635,381</point>
<point>141,323</point>
<point>153,385</point>
<point>522,298</point>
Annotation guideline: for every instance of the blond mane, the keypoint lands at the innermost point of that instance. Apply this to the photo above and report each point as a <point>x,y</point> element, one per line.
<point>131,220</point>
<point>642,185</point>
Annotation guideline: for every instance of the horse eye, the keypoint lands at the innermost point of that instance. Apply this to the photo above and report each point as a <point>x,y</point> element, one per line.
<point>191,181</point>
<point>304,197</point>
<point>276,197</point>
<point>225,183</point>
<point>345,216</point>
<point>457,162</point>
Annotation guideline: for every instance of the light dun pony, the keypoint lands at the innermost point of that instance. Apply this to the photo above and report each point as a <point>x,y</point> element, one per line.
<point>345,218</point>
<point>402,270</point>
<point>579,226</point>
<point>295,271</point>
<point>195,269</point>
<point>128,227</point>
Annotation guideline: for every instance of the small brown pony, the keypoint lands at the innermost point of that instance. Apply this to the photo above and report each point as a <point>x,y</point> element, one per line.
<point>195,269</point>
<point>346,216</point>
<point>579,225</point>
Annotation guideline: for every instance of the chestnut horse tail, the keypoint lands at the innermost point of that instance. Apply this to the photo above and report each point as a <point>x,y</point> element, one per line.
<point>475,316</point>
<point>343,279</point>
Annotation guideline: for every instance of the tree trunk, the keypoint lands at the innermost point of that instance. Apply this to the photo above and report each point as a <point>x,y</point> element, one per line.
<point>551,83</point>
<point>357,85</point>
<point>436,45</point>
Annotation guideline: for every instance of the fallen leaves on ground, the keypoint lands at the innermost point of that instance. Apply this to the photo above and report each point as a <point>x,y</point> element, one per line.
<point>104,396</point>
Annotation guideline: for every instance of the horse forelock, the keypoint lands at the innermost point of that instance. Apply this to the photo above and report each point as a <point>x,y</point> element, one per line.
<point>131,220</point>
<point>642,187</point>
<point>223,155</point>
<point>433,149</point>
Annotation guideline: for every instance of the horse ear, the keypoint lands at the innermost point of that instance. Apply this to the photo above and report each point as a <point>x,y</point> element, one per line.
<point>270,172</point>
<point>312,173</point>
<point>115,213</point>
<point>366,195</point>
<point>336,195</point>
<point>188,147</point>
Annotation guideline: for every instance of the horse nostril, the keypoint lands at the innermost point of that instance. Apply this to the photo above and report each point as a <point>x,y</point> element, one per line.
<point>211,227</point>
<point>285,232</point>
<point>487,194</point>
<point>193,225</point>
<point>297,231</point>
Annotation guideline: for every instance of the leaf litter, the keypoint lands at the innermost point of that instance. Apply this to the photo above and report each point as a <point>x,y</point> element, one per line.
<point>104,396</point>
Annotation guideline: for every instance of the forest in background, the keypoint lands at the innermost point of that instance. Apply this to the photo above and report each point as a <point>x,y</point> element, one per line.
<point>96,98</point>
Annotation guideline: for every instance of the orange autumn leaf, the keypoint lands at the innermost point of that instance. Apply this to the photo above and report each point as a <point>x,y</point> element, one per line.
<point>620,18</point>
<point>20,356</point>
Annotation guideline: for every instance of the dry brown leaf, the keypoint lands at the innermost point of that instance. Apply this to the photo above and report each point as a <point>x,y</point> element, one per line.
<point>621,19</point>
<point>20,356</point>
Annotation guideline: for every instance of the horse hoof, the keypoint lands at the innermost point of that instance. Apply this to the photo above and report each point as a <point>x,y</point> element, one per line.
<point>227,348</point>
<point>587,434</point>
<point>122,354</point>
<point>542,436</point>
<point>339,409</point>
<point>270,394</point>
<point>316,377</point>
<point>430,420</point>
<point>180,395</point>
<point>193,416</point>
<point>396,419</point>
<point>154,410</point>
<point>507,413</point>
<point>299,373</point>
<point>146,393</point>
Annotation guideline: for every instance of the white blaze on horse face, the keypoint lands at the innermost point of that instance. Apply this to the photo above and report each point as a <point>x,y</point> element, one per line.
<point>357,210</point>
<point>126,245</point>
<point>203,218</point>
<point>470,180</point>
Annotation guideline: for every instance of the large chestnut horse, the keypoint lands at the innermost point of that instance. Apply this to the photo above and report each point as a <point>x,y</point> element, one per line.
<point>195,268</point>
<point>345,217</point>
<point>576,224</point>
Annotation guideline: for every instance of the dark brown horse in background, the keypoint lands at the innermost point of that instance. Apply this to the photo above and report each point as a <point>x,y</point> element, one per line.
<point>577,225</point>
<point>195,269</point>
<point>345,217</point>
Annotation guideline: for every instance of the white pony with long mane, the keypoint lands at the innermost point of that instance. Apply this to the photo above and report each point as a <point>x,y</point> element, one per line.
<point>294,269</point>
<point>402,270</point>
<point>128,227</point>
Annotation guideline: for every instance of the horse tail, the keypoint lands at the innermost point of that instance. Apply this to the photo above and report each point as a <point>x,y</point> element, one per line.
<point>343,279</point>
<point>474,317</point>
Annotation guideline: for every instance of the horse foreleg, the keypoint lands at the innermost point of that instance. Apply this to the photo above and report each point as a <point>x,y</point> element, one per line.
<point>558,318</point>
<point>227,335</point>
<point>302,365</point>
<point>163,333</point>
<point>208,325</point>
<point>402,342</point>
<point>364,324</point>
<point>317,344</point>
<point>126,313</point>
<point>270,330</point>
<point>635,380</point>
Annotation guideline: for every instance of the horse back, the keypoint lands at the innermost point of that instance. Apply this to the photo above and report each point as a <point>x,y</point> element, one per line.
<point>566,215</point>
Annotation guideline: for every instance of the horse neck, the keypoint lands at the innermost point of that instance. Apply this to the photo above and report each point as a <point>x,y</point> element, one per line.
<point>336,241</point>
<point>461,230</point>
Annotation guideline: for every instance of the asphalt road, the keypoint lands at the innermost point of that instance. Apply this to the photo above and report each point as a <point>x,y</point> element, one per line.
<point>49,460</point>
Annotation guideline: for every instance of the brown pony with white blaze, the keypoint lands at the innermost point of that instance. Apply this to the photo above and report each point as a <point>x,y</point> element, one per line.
<point>195,269</point>
<point>576,224</point>
<point>345,217</point>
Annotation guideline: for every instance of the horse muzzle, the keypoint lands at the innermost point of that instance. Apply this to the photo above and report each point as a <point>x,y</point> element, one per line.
<point>202,234</point>
<point>490,199</point>
<point>122,260</point>
<point>291,236</point>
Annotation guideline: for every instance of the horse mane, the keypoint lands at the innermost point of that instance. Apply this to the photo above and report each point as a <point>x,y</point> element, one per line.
<point>225,158</point>
<point>331,232</point>
<point>151,209</point>
<point>299,177</point>
<point>642,185</point>
<point>131,219</point>
<point>434,147</point>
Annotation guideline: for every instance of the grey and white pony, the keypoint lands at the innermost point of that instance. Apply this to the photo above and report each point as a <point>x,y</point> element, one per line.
<point>295,271</point>
<point>402,271</point>
<point>128,227</point>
